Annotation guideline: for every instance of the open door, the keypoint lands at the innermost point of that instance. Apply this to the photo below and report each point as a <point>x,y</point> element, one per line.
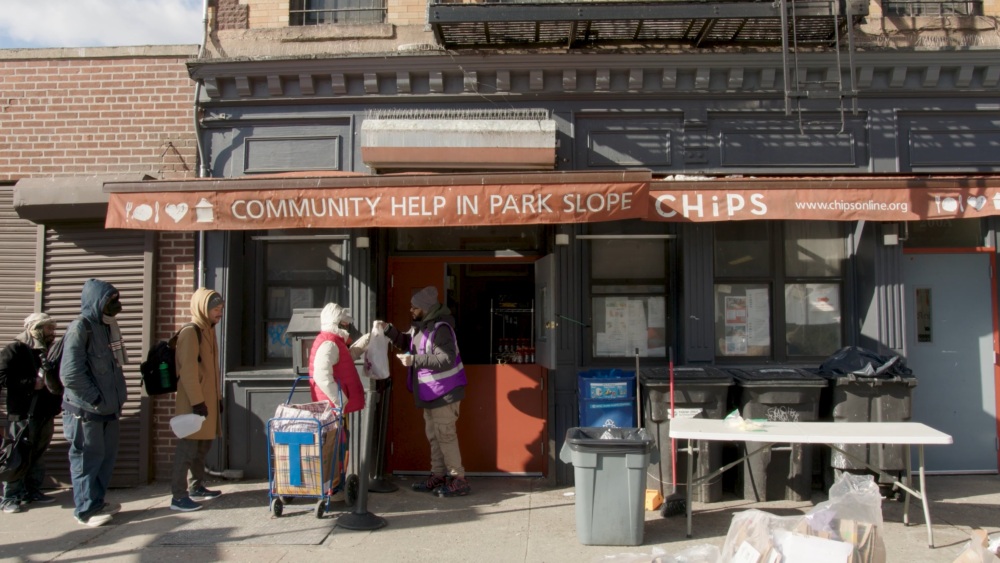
<point>502,426</point>
<point>545,304</point>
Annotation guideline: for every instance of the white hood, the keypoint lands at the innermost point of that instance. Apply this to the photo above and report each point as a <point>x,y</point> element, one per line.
<point>331,317</point>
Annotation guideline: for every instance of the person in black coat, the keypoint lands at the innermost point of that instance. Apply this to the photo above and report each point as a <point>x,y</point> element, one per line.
<point>23,365</point>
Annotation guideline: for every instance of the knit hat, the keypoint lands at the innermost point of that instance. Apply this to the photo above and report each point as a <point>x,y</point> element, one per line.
<point>36,320</point>
<point>214,301</point>
<point>425,299</point>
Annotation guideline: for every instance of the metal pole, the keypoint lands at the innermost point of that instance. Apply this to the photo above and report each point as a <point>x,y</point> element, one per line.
<point>379,482</point>
<point>360,518</point>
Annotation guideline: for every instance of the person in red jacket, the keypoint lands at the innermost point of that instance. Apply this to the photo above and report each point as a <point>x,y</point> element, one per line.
<point>331,361</point>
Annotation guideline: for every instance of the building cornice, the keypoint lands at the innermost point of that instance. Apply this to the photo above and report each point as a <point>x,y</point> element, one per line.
<point>569,74</point>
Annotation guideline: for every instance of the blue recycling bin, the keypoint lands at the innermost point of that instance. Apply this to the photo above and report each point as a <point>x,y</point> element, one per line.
<point>607,398</point>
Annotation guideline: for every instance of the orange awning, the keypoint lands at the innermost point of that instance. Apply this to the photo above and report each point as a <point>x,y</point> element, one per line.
<point>889,198</point>
<point>339,200</point>
<point>348,201</point>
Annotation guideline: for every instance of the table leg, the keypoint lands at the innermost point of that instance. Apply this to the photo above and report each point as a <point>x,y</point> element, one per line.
<point>923,497</point>
<point>909,483</point>
<point>687,488</point>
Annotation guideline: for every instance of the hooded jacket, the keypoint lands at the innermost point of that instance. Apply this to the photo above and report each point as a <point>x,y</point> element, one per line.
<point>331,362</point>
<point>94,381</point>
<point>199,381</point>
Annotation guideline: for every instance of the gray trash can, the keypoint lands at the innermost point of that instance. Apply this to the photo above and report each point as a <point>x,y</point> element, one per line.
<point>857,398</point>
<point>778,394</point>
<point>701,388</point>
<point>610,478</point>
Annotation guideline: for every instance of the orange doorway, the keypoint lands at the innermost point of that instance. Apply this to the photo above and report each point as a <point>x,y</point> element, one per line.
<point>502,427</point>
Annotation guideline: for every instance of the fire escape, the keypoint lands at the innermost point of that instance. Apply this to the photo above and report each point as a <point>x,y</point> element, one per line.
<point>796,26</point>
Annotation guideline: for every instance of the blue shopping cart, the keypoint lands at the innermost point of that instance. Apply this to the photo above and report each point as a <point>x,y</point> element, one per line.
<point>308,454</point>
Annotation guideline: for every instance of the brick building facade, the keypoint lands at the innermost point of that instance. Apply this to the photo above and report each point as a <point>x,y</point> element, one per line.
<point>70,118</point>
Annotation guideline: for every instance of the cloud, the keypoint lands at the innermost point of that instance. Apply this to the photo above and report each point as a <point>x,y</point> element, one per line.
<point>99,23</point>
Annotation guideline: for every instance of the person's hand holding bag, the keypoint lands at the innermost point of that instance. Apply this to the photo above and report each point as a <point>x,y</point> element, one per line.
<point>405,359</point>
<point>200,409</point>
<point>377,352</point>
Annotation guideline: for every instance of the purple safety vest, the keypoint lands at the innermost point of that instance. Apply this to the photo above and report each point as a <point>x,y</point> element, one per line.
<point>432,385</point>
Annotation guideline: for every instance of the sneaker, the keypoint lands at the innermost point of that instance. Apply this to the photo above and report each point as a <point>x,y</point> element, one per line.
<point>40,497</point>
<point>431,484</point>
<point>201,493</point>
<point>184,505</point>
<point>94,520</point>
<point>111,508</point>
<point>11,506</point>
<point>456,487</point>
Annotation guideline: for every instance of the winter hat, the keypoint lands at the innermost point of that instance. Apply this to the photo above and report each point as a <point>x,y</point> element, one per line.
<point>36,320</point>
<point>214,301</point>
<point>425,299</point>
<point>332,315</point>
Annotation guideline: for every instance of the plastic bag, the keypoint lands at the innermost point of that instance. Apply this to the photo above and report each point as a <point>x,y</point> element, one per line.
<point>305,417</point>
<point>977,550</point>
<point>185,425</point>
<point>377,355</point>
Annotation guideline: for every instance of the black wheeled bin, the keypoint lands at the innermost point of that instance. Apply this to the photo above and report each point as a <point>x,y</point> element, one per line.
<point>704,388</point>
<point>610,482</point>
<point>779,395</point>
<point>856,398</point>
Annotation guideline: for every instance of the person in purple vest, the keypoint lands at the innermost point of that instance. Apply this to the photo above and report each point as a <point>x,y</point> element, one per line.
<point>436,377</point>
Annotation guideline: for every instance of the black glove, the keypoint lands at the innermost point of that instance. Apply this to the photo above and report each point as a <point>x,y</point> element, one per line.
<point>200,409</point>
<point>220,407</point>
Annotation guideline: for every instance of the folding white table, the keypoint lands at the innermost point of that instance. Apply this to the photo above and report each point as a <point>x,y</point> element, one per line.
<point>828,433</point>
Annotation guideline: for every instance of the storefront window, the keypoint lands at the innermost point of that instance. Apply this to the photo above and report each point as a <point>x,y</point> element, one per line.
<point>629,306</point>
<point>299,274</point>
<point>743,325</point>
<point>801,260</point>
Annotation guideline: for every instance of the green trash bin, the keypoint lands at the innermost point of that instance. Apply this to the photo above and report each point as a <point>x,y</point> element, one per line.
<point>610,478</point>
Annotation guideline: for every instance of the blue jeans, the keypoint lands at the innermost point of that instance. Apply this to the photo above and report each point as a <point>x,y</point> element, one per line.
<point>40,436</point>
<point>93,447</point>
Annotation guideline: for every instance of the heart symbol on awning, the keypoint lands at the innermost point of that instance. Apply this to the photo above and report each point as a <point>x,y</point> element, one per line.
<point>977,202</point>
<point>177,211</point>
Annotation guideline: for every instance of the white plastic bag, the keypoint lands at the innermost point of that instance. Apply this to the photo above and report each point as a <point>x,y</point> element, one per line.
<point>377,355</point>
<point>185,425</point>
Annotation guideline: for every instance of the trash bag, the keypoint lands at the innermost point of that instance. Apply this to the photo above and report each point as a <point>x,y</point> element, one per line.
<point>855,360</point>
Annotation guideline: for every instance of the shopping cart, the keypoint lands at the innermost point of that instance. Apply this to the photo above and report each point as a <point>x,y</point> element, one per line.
<point>307,445</point>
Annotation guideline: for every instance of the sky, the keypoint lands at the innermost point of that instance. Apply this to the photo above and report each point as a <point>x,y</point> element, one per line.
<point>99,23</point>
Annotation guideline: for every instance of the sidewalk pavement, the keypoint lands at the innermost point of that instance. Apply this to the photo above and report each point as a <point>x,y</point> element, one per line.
<point>504,519</point>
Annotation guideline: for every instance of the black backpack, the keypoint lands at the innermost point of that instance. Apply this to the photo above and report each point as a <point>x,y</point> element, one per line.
<point>159,371</point>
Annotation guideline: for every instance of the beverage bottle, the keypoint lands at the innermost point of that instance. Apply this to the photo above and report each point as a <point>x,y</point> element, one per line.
<point>165,375</point>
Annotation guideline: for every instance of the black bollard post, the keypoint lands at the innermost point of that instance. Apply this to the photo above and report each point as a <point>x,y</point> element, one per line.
<point>360,518</point>
<point>379,483</point>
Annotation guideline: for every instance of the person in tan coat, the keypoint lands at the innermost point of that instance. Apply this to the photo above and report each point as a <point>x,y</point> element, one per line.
<point>198,392</point>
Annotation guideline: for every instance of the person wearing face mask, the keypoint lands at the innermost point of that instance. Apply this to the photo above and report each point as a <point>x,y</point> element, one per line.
<point>199,392</point>
<point>331,361</point>
<point>94,394</point>
<point>29,404</point>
